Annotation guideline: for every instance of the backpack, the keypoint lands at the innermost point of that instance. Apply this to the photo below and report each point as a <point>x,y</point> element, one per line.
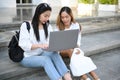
<point>15,52</point>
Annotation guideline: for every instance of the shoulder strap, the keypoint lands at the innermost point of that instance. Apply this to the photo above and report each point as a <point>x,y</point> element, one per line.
<point>28,25</point>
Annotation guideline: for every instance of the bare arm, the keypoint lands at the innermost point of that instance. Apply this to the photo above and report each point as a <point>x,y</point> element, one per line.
<point>43,46</point>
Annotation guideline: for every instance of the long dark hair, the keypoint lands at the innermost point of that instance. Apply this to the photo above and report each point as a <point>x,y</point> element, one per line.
<point>41,8</point>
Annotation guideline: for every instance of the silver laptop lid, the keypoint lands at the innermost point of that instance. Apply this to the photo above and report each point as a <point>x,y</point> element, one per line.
<point>61,40</point>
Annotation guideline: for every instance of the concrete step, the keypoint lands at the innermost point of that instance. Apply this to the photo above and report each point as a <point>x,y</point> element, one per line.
<point>100,42</point>
<point>97,37</point>
<point>93,27</point>
<point>106,62</point>
<point>91,44</point>
<point>86,21</point>
<point>107,67</point>
<point>87,28</point>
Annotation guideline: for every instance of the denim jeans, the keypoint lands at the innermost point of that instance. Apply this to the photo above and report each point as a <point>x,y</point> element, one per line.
<point>50,61</point>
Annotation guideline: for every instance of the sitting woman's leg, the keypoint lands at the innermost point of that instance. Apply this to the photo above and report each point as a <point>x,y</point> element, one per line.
<point>60,66</point>
<point>84,77</point>
<point>66,53</point>
<point>45,62</point>
<point>94,75</point>
<point>67,76</point>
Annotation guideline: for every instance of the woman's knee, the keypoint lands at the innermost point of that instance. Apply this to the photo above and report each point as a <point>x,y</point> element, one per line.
<point>47,61</point>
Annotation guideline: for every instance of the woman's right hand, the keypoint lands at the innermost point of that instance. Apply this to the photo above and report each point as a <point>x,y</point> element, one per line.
<point>43,46</point>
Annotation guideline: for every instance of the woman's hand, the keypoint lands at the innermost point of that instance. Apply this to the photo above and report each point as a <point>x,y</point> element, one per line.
<point>77,51</point>
<point>43,46</point>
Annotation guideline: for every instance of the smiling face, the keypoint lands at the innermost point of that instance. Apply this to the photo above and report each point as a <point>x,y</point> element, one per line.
<point>44,17</point>
<point>66,18</point>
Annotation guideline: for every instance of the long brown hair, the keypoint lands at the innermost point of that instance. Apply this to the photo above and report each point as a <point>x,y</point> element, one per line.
<point>59,22</point>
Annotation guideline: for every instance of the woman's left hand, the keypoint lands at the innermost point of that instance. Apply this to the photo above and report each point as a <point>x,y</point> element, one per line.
<point>77,51</point>
<point>45,46</point>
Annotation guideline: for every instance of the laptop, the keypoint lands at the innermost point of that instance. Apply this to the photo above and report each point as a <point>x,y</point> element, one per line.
<point>61,40</point>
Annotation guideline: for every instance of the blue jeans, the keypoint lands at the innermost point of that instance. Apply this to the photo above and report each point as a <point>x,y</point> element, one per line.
<point>50,61</point>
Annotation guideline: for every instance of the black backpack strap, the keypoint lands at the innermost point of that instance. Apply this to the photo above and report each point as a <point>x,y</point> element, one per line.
<point>28,25</point>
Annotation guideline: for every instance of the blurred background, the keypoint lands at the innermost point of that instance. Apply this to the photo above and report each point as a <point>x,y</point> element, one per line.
<point>19,10</point>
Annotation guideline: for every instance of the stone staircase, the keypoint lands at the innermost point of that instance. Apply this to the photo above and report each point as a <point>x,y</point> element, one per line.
<point>98,35</point>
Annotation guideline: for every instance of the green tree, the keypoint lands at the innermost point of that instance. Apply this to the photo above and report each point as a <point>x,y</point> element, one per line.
<point>86,1</point>
<point>108,1</point>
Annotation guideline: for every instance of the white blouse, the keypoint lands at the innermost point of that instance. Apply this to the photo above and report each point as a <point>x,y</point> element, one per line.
<point>28,38</point>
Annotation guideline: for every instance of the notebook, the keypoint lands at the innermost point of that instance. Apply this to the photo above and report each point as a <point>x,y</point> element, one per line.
<point>61,40</point>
